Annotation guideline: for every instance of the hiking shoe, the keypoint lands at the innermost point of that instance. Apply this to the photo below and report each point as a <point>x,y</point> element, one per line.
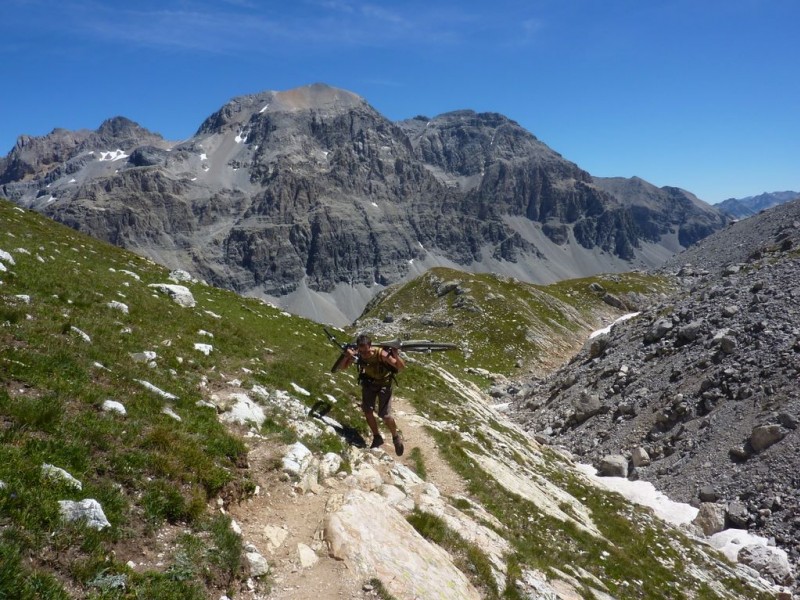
<point>398,444</point>
<point>377,442</point>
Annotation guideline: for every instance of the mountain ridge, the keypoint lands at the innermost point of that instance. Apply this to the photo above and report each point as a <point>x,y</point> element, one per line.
<point>739,208</point>
<point>312,199</point>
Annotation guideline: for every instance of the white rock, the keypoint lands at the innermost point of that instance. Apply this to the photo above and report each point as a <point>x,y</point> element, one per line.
<point>114,305</point>
<point>114,406</point>
<point>243,411</point>
<point>771,563</point>
<point>171,413</point>
<point>88,509</point>
<point>330,465</point>
<point>299,390</point>
<point>368,478</point>
<point>297,459</point>
<point>6,257</point>
<point>181,275</point>
<point>83,334</point>
<point>276,536</point>
<point>145,356</point>
<point>130,274</point>
<point>640,457</point>
<point>710,518</point>
<point>156,390</point>
<point>308,558</point>
<point>179,293</point>
<point>58,474</point>
<point>204,348</point>
<point>393,551</point>
<point>23,298</point>
<point>395,497</point>
<point>235,527</point>
<point>258,564</point>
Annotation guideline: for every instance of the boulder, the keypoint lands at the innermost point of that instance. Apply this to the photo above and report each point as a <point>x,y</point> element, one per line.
<point>737,515</point>
<point>764,436</point>
<point>708,494</point>
<point>88,510</point>
<point>408,565</point>
<point>613,465</point>
<point>710,518</point>
<point>586,406</point>
<point>257,563</point>
<point>771,563</point>
<point>640,457</point>
<point>180,294</point>
<point>659,329</point>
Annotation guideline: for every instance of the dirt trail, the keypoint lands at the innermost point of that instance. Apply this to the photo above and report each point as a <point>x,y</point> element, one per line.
<point>279,509</point>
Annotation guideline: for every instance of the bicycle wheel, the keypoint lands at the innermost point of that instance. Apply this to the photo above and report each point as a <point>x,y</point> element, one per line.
<point>423,346</point>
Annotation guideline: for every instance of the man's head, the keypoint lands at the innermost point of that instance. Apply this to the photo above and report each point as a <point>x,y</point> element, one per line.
<point>363,344</point>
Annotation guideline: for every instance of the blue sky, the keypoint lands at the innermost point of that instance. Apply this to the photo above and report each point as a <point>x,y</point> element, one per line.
<point>698,94</point>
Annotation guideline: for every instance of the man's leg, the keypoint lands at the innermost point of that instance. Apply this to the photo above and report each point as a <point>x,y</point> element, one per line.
<point>385,412</point>
<point>372,422</point>
<point>368,397</point>
<point>390,423</point>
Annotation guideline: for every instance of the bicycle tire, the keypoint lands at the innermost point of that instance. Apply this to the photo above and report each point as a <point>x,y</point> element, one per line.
<point>422,346</point>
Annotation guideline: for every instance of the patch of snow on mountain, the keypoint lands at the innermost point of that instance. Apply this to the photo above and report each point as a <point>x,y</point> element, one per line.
<point>112,156</point>
<point>607,329</point>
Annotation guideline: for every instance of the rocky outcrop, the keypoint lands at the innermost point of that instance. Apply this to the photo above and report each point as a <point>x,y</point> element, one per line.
<point>393,552</point>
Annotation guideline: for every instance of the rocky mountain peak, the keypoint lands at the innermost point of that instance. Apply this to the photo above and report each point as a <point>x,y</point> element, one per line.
<point>463,142</point>
<point>121,128</point>
<point>313,199</point>
<point>317,98</point>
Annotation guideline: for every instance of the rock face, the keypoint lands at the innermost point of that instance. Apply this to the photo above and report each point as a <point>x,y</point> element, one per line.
<point>312,198</point>
<point>705,381</point>
<point>424,569</point>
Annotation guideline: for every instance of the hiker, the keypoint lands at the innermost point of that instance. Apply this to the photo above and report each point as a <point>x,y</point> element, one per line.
<point>376,370</point>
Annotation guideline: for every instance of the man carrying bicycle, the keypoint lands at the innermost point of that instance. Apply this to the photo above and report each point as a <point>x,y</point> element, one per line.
<point>377,368</point>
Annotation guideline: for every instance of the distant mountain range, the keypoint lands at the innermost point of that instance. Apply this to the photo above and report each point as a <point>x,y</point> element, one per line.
<point>740,208</point>
<point>314,200</point>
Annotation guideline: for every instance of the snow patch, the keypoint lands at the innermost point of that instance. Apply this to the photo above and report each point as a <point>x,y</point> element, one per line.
<point>112,156</point>
<point>605,330</point>
<point>645,494</point>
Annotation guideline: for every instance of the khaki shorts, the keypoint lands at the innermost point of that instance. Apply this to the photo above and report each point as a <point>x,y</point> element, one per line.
<point>370,392</point>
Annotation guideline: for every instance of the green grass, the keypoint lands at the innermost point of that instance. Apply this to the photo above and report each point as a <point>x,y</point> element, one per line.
<point>380,590</point>
<point>418,463</point>
<point>469,558</point>
<point>515,322</point>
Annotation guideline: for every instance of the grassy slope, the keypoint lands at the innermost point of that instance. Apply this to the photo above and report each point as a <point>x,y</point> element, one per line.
<point>501,324</point>
<point>150,471</point>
